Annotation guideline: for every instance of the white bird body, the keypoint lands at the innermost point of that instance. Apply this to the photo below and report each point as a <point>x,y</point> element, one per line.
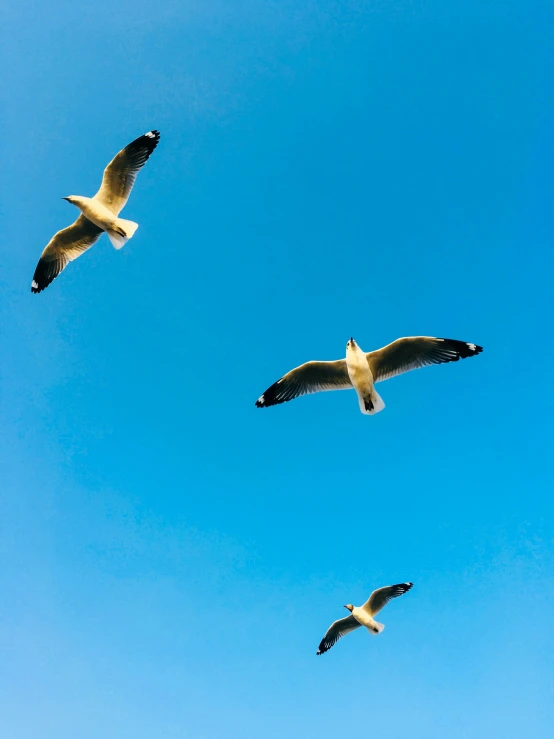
<point>363,617</point>
<point>101,216</point>
<point>119,230</point>
<point>361,378</point>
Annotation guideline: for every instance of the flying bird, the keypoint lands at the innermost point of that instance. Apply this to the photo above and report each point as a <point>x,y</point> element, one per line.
<point>363,615</point>
<point>360,371</point>
<point>98,214</point>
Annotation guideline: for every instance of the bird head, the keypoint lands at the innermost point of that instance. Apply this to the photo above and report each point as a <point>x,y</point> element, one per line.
<point>349,607</point>
<point>351,344</point>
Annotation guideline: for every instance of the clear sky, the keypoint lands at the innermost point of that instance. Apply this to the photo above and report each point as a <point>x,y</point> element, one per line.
<point>170,556</point>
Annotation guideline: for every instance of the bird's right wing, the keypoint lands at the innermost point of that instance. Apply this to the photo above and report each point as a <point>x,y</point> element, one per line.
<point>413,352</point>
<point>64,247</point>
<point>308,378</point>
<point>335,631</point>
<point>379,598</point>
<point>121,173</point>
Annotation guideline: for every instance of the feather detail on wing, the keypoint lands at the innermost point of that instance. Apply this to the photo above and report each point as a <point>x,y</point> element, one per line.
<point>335,631</point>
<point>413,352</point>
<point>379,598</point>
<point>121,172</point>
<point>64,247</point>
<point>311,377</point>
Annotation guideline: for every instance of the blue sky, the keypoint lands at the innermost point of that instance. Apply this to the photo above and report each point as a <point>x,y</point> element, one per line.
<point>170,556</point>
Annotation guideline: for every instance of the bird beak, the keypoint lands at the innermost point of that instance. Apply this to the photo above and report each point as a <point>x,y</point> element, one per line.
<point>352,340</point>
<point>66,199</point>
<point>345,607</point>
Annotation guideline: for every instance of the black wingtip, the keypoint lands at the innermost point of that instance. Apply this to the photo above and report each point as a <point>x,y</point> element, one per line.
<point>403,587</point>
<point>45,273</point>
<point>41,279</point>
<point>272,396</point>
<point>142,147</point>
<point>463,349</point>
<point>324,646</point>
<point>153,134</point>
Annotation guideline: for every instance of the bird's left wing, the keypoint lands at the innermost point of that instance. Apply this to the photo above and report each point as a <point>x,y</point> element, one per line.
<point>64,247</point>
<point>335,631</point>
<point>379,598</point>
<point>308,378</point>
<point>413,352</point>
<point>121,172</point>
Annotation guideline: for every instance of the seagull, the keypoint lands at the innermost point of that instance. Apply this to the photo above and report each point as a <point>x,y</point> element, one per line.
<point>360,370</point>
<point>363,615</point>
<point>98,213</point>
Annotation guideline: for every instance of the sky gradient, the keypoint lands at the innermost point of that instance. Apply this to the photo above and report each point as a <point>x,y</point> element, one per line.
<point>170,556</point>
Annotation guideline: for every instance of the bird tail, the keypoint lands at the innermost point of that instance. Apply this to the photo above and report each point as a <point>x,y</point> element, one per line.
<point>378,628</point>
<point>371,404</point>
<point>121,232</point>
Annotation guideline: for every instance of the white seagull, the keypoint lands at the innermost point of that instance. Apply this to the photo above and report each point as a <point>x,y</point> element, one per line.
<point>98,214</point>
<point>360,370</point>
<point>363,615</point>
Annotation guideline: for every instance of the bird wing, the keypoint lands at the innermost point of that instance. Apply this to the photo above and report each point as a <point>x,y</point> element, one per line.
<point>308,378</point>
<point>413,352</point>
<point>379,598</point>
<point>64,247</point>
<point>335,631</point>
<point>121,172</point>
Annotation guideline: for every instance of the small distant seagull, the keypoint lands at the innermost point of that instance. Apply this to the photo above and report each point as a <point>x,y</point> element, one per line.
<point>98,214</point>
<point>360,370</point>
<point>363,615</point>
